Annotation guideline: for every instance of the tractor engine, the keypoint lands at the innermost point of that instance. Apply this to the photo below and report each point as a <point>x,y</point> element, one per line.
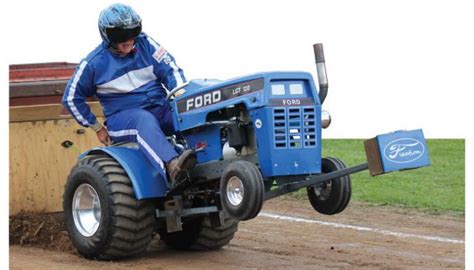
<point>273,117</point>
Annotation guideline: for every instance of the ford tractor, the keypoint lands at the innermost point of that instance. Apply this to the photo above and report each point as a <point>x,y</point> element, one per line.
<point>255,137</point>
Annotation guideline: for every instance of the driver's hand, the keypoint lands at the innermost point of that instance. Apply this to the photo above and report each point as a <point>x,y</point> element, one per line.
<point>104,137</point>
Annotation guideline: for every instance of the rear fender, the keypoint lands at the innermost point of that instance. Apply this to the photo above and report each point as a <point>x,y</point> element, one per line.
<point>146,181</point>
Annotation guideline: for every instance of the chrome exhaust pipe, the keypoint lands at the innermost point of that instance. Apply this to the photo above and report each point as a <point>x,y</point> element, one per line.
<point>321,69</point>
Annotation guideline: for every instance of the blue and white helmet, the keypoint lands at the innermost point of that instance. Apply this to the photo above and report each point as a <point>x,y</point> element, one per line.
<point>119,23</point>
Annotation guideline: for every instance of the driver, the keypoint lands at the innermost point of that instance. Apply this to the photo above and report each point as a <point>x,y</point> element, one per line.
<point>127,72</point>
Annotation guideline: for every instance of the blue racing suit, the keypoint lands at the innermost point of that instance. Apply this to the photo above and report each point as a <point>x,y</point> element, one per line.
<point>130,90</point>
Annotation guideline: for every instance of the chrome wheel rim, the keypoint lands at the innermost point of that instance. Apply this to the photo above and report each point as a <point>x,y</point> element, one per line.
<point>86,210</point>
<point>235,191</point>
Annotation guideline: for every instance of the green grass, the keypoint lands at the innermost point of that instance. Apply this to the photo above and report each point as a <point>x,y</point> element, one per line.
<point>437,188</point>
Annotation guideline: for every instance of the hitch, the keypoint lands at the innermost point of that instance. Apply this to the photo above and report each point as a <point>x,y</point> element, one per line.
<point>314,180</point>
<point>174,211</point>
<point>395,151</point>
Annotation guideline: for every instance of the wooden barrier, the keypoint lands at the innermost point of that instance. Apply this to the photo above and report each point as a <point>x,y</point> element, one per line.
<point>39,164</point>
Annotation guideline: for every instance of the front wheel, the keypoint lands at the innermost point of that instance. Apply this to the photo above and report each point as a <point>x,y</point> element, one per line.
<point>331,197</point>
<point>103,218</point>
<point>242,190</point>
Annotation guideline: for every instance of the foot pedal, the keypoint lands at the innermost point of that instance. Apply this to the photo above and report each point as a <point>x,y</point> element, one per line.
<point>183,180</point>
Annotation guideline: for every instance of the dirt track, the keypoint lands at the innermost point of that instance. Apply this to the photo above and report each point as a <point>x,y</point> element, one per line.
<point>307,243</point>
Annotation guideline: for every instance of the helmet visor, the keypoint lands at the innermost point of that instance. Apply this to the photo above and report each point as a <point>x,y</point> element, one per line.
<point>119,35</point>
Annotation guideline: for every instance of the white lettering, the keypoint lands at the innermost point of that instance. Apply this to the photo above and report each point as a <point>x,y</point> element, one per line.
<point>204,100</point>
<point>291,102</point>
<point>404,150</point>
<point>189,104</point>
<point>216,96</point>
<point>410,153</point>
<point>198,102</point>
<point>207,99</point>
<point>397,150</point>
<point>236,91</point>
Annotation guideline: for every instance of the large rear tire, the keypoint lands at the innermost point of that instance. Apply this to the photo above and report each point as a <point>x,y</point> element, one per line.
<point>103,218</point>
<point>199,234</point>
<point>333,196</point>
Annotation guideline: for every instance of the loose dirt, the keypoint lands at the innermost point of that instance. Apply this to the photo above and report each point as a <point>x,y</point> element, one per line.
<point>41,242</point>
<point>40,230</point>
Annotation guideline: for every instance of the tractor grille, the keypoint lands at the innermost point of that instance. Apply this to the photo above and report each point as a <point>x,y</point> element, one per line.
<point>294,127</point>
<point>309,118</point>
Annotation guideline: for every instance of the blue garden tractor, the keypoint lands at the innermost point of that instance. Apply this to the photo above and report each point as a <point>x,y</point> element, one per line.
<point>256,137</point>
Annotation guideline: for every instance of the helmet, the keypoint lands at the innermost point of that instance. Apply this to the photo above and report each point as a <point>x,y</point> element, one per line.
<point>119,23</point>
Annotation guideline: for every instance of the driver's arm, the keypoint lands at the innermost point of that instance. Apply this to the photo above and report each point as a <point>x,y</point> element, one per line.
<point>164,64</point>
<point>80,86</point>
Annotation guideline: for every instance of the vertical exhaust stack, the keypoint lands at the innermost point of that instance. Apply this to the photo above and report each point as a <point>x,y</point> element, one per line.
<point>321,69</point>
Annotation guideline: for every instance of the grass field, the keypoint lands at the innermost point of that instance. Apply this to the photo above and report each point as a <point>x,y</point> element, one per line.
<point>437,188</point>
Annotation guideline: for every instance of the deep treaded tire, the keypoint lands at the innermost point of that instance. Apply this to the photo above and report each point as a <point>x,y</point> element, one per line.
<point>198,234</point>
<point>331,198</point>
<point>125,225</point>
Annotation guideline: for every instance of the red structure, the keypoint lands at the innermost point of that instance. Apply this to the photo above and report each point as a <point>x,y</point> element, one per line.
<point>42,83</point>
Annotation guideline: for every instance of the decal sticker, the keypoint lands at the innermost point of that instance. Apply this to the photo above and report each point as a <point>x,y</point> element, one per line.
<point>160,54</point>
<point>404,150</point>
<point>219,95</point>
<point>291,102</point>
<point>200,146</point>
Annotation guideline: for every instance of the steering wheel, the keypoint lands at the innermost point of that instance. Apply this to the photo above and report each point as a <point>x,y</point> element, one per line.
<point>173,92</point>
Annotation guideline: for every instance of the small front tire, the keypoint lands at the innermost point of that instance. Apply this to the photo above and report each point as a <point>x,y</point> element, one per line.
<point>242,190</point>
<point>333,196</point>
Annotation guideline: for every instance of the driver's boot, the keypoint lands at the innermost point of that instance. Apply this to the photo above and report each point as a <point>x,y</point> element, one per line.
<point>178,168</point>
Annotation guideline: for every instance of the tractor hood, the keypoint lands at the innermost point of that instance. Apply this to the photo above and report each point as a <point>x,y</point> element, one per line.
<point>253,91</point>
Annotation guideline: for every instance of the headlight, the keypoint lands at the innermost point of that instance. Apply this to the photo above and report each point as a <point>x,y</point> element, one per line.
<point>325,119</point>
